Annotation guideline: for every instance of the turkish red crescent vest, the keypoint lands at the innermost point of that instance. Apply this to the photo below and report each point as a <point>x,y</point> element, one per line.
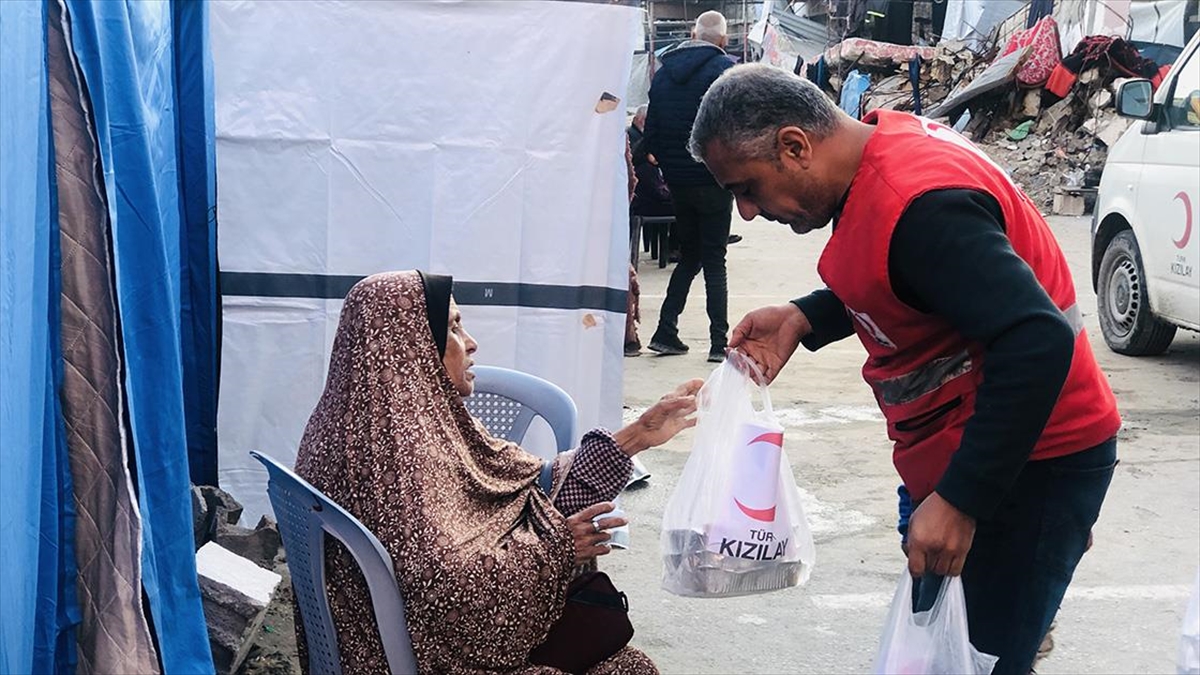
<point>923,372</point>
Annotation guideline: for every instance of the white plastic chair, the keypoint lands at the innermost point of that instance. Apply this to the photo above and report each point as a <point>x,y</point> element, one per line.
<point>507,401</point>
<point>305,517</point>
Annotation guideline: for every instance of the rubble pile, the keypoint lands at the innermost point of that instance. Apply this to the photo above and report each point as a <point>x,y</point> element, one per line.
<point>1051,146</point>
<point>244,585</point>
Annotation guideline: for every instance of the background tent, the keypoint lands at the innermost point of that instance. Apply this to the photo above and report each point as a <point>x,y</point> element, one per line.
<point>106,254</point>
<point>473,139</point>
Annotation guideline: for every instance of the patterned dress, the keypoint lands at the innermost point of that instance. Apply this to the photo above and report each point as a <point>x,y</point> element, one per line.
<point>483,558</point>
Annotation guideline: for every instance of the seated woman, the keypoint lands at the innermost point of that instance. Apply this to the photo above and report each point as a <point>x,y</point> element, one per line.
<point>482,556</point>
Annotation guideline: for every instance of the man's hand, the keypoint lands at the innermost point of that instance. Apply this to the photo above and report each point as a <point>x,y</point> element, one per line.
<point>939,538</point>
<point>662,421</point>
<point>591,537</point>
<point>770,335</point>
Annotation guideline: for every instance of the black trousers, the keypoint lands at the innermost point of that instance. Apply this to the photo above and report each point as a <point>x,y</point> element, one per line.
<point>702,216</point>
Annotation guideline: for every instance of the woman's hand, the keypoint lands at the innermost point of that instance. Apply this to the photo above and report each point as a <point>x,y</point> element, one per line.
<point>662,421</point>
<point>589,534</point>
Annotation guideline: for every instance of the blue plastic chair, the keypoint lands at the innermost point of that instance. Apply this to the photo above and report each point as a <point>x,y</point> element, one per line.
<point>507,401</point>
<point>305,517</point>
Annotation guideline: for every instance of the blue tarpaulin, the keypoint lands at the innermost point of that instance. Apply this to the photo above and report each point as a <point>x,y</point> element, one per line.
<point>127,52</point>
<point>201,311</point>
<point>38,584</point>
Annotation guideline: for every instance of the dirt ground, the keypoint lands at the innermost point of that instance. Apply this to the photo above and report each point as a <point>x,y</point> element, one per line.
<point>1122,614</point>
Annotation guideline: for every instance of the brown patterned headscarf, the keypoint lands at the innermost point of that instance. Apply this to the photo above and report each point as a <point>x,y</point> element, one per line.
<point>482,558</point>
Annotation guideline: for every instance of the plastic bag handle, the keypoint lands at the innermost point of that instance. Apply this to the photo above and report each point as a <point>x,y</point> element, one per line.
<point>746,366</point>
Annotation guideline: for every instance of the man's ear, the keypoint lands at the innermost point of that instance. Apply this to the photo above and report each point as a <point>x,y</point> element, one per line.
<point>794,145</point>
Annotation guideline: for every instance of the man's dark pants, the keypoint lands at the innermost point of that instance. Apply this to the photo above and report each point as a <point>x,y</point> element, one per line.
<point>702,215</point>
<point>1022,560</point>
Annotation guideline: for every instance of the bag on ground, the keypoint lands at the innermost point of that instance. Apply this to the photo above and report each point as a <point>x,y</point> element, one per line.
<point>935,642</point>
<point>734,524</point>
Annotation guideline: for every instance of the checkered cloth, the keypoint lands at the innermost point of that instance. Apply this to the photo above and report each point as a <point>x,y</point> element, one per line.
<point>598,473</point>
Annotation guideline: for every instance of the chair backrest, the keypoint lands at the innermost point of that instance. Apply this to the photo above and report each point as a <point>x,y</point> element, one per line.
<point>507,401</point>
<point>305,516</point>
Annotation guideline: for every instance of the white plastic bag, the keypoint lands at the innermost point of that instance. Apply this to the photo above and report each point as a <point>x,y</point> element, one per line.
<point>1189,641</point>
<point>936,642</point>
<point>734,524</point>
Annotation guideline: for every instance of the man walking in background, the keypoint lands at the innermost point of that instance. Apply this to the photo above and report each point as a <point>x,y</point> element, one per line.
<point>702,208</point>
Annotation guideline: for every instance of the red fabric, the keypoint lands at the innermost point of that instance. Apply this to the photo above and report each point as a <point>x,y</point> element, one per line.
<point>1044,55</point>
<point>1160,76</point>
<point>926,428</point>
<point>1061,80</point>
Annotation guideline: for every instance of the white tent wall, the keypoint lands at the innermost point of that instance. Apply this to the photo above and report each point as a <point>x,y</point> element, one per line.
<point>457,137</point>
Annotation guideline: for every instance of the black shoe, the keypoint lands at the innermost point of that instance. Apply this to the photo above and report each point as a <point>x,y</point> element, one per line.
<point>735,238</point>
<point>716,356</point>
<point>633,349</point>
<point>668,347</point>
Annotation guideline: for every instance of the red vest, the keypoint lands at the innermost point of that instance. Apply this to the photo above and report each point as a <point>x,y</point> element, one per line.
<point>923,372</point>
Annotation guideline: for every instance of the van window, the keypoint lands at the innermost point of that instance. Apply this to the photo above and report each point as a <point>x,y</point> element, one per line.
<point>1184,110</point>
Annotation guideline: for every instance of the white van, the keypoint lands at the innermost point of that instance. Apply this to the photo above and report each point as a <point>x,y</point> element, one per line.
<point>1145,250</point>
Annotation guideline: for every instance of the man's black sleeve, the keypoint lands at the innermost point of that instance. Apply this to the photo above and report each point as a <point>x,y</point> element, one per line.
<point>827,316</point>
<point>950,257</point>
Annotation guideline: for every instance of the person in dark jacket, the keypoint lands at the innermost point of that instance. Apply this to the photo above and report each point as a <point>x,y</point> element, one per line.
<point>702,208</point>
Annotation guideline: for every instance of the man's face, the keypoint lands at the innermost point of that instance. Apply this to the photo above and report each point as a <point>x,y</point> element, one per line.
<point>792,189</point>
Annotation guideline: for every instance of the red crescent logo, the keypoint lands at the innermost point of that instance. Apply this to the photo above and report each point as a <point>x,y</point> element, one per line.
<point>1187,228</point>
<point>773,439</point>
<point>765,515</point>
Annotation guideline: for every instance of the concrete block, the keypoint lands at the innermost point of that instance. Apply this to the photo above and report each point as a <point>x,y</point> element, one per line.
<point>235,593</point>
<point>221,504</point>
<point>200,517</point>
<point>1068,203</point>
<point>259,545</point>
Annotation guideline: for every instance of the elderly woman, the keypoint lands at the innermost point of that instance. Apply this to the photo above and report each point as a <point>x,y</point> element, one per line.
<point>483,557</point>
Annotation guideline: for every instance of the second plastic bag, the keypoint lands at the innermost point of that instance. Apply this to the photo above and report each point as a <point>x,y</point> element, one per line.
<point>734,524</point>
<point>936,642</point>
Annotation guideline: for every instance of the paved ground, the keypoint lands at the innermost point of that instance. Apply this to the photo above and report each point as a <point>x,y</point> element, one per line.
<point>1125,608</point>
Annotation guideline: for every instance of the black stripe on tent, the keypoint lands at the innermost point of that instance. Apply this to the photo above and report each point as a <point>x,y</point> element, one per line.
<point>335,287</point>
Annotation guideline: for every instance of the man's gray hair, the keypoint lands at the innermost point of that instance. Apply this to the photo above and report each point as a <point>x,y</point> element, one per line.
<point>749,103</point>
<point>711,26</point>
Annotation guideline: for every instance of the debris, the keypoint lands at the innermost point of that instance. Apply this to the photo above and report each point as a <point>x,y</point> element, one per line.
<point>999,73</point>
<point>1021,131</point>
<point>260,545</point>
<point>235,593</point>
<point>1031,105</point>
<point>200,515</point>
<point>1056,118</point>
<point>1070,201</point>
<point>1101,99</point>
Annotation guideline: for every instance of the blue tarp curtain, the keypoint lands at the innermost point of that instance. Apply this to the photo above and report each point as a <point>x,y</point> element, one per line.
<point>37,588</point>
<point>148,75</point>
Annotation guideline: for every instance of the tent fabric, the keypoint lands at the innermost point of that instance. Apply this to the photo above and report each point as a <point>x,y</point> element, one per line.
<point>38,587</point>
<point>512,179</point>
<point>114,635</point>
<point>125,51</point>
<point>200,307</point>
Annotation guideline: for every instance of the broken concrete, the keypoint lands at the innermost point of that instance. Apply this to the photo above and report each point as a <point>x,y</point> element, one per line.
<point>200,517</point>
<point>221,505</point>
<point>235,593</point>
<point>260,545</point>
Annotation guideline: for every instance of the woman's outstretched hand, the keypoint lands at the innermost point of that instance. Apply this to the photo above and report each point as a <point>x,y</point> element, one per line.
<point>666,418</point>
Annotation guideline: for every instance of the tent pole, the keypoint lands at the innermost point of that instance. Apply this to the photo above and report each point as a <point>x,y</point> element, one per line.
<point>650,57</point>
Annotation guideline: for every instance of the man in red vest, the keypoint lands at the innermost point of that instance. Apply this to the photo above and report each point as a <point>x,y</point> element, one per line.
<point>1003,424</point>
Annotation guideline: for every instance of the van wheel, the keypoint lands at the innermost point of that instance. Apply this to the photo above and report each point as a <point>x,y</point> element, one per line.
<point>1128,325</point>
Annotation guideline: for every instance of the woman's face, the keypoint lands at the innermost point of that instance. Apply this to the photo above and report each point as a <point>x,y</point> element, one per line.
<point>459,348</point>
